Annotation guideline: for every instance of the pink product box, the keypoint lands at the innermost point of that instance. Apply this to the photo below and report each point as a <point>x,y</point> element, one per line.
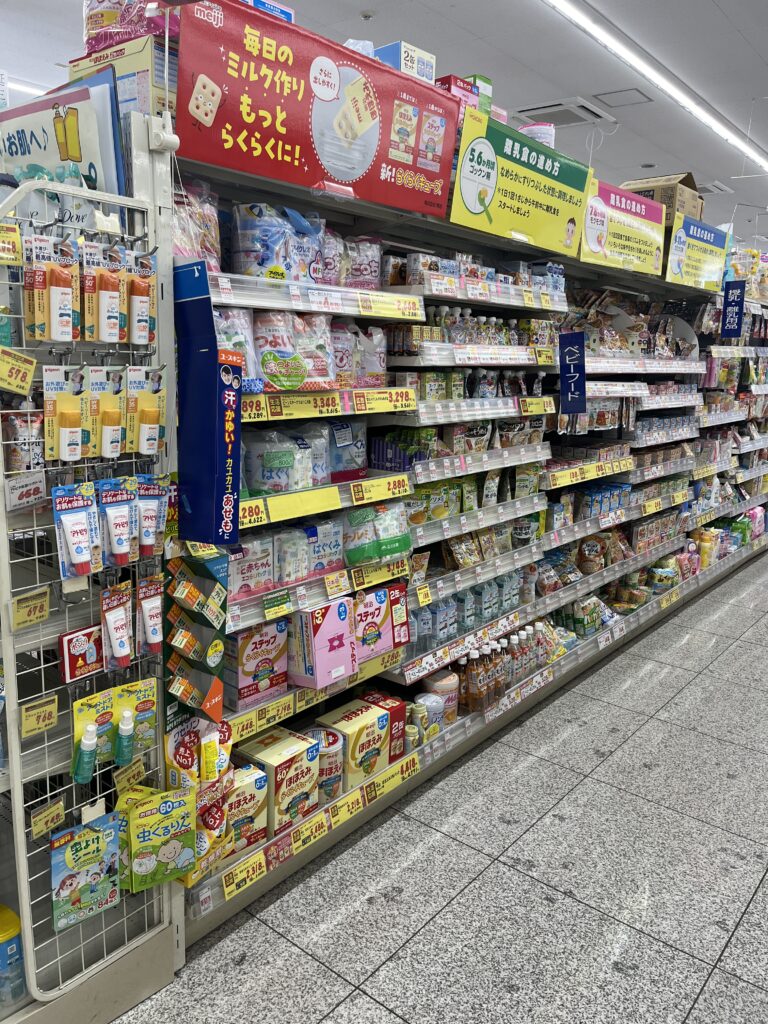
<point>381,621</point>
<point>256,664</point>
<point>321,647</point>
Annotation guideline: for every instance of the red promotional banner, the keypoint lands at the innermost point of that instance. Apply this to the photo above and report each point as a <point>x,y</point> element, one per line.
<point>262,96</point>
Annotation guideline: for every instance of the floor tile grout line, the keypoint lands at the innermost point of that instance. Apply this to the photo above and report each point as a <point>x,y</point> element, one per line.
<point>712,736</point>
<point>367,996</point>
<point>734,974</point>
<point>446,835</point>
<point>300,948</point>
<point>727,944</point>
<point>607,914</point>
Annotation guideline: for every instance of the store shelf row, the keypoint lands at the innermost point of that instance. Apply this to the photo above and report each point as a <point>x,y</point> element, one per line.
<point>438,287</point>
<point>741,476</point>
<point>449,466</point>
<point>463,410</point>
<point>267,408</point>
<point>711,468</point>
<point>661,469</point>
<point>758,389</point>
<point>617,389</point>
<point>453,526</point>
<point>737,352</point>
<point>715,419</point>
<point>585,472</point>
<point>437,354</point>
<point>301,297</point>
<point>243,877</point>
<point>672,400</point>
<point>652,439</point>
<point>601,364</point>
<point>725,510</point>
<point>752,445</point>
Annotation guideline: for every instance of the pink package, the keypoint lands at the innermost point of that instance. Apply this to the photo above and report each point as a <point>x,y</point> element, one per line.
<point>251,570</point>
<point>108,23</point>
<point>362,263</point>
<point>256,664</point>
<point>757,515</point>
<point>321,647</point>
<point>381,621</point>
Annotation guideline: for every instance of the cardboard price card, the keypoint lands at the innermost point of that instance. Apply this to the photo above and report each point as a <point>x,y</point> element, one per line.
<point>270,99</point>
<point>621,229</point>
<point>39,716</point>
<point>696,254</point>
<point>511,186</point>
<point>16,371</point>
<point>30,609</point>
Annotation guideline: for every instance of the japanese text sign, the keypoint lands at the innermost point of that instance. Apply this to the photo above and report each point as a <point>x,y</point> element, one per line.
<point>733,309</point>
<point>275,100</point>
<point>696,254</point>
<point>573,378</point>
<point>511,186</point>
<point>621,229</point>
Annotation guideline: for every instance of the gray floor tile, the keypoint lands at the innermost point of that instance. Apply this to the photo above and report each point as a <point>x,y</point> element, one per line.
<point>724,708</point>
<point>716,782</point>
<point>244,971</point>
<point>727,1000</point>
<point>674,878</point>
<point>508,949</point>
<point>713,615</point>
<point>687,648</point>
<point>752,593</point>
<point>743,662</point>
<point>361,1009</point>
<point>353,906</point>
<point>747,952</point>
<point>758,634</point>
<point>633,682</point>
<point>456,801</point>
<point>572,730</point>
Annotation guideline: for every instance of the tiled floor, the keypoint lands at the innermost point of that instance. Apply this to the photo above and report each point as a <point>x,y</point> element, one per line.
<point>604,859</point>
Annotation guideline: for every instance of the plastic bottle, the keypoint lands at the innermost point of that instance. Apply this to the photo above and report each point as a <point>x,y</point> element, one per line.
<point>530,632</point>
<point>517,658</point>
<point>425,629</point>
<point>125,737</point>
<point>453,619</point>
<point>149,431</point>
<point>541,646</point>
<point>461,672</point>
<point>110,434</point>
<point>473,680</point>
<point>522,636</point>
<point>60,296</point>
<point>109,308</point>
<point>506,663</point>
<point>138,311</point>
<point>70,435</point>
<point>86,755</point>
<point>498,671</point>
<point>487,667</point>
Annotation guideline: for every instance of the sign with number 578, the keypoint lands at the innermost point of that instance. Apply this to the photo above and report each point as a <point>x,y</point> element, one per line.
<point>16,371</point>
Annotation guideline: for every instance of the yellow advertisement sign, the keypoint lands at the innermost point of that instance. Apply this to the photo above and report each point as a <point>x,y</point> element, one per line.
<point>621,229</point>
<point>696,254</point>
<point>511,186</point>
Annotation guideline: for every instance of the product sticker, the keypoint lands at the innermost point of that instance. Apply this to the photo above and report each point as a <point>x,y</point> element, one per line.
<point>131,775</point>
<point>244,874</point>
<point>346,807</point>
<point>25,490</point>
<point>84,871</point>
<point>17,371</point>
<point>309,832</point>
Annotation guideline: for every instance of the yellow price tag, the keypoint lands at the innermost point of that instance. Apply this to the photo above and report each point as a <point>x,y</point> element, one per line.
<point>299,406</point>
<point>679,497</point>
<point>649,507</point>
<point>424,594</point>
<point>545,355</point>
<point>309,832</point>
<point>16,371</point>
<point>303,503</point>
<point>369,576</point>
<point>384,400</point>
<point>537,406</point>
<point>307,698</point>
<point>337,583</point>
<point>254,409</point>
<point>670,598</point>
<point>46,819</point>
<point>244,726</point>
<point>409,767</point>
<point>389,304</point>
<point>380,489</point>
<point>546,300</point>
<point>346,807</point>
<point>132,774</point>
<point>528,299</point>
<point>204,551</point>
<point>375,666</point>
<point>11,253</point>
<point>30,609</point>
<point>393,777</point>
<point>39,716</point>
<point>274,712</point>
<point>244,874</point>
<point>252,513</point>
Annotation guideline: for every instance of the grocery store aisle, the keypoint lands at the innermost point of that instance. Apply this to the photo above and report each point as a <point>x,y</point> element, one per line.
<point>603,859</point>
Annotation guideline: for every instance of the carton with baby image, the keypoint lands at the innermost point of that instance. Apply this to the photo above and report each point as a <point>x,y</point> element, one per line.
<point>161,838</point>
<point>84,871</point>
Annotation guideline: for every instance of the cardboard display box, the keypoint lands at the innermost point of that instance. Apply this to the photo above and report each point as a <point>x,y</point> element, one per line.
<point>678,193</point>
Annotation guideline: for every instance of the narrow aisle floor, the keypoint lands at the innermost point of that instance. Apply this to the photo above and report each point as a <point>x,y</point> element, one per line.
<point>602,860</point>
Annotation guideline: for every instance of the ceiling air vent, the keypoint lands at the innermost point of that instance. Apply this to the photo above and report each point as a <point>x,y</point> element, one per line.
<point>565,113</point>
<point>714,188</point>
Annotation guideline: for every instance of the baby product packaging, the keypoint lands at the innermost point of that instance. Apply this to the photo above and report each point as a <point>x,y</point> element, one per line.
<point>381,621</point>
<point>365,729</point>
<point>290,762</point>
<point>247,807</point>
<point>321,648</point>
<point>256,664</point>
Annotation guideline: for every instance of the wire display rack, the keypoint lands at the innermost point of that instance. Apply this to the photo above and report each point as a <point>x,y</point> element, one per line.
<point>39,765</point>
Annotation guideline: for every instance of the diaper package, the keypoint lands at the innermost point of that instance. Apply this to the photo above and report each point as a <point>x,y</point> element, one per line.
<point>277,243</point>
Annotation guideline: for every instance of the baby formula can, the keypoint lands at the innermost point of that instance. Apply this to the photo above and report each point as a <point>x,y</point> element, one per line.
<point>331,768</point>
<point>12,984</point>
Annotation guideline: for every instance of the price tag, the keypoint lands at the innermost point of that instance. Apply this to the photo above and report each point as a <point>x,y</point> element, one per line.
<point>380,489</point>
<point>654,505</point>
<point>545,355</point>
<point>369,576</point>
<point>11,253</point>
<point>16,371</point>
<point>446,526</point>
<point>619,630</point>
<point>301,406</point>
<point>254,409</point>
<point>384,400</point>
<point>30,609</point>
<point>277,605</point>
<point>528,299</point>
<point>546,300</point>
<point>275,712</point>
<point>308,697</point>
<point>24,490</point>
<point>132,774</point>
<point>46,819</point>
<point>295,293</point>
<point>391,778</point>
<point>309,832</point>
<point>244,874</point>
<point>337,583</point>
<point>252,513</point>
<point>424,595</point>
<point>225,289</point>
<point>679,497</point>
<point>204,551</point>
<point>325,301</point>
<point>536,406</point>
<point>669,599</point>
<point>441,285</point>
<point>478,290</point>
<point>303,503</point>
<point>604,640</point>
<point>244,726</point>
<point>39,716</point>
<point>346,807</point>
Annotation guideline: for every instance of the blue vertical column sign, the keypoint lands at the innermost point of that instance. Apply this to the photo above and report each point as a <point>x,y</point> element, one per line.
<point>209,384</point>
<point>733,309</point>
<point>573,374</point>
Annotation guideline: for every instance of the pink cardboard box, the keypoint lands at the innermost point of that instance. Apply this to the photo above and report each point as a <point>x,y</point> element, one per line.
<point>321,645</point>
<point>381,621</point>
<point>256,664</point>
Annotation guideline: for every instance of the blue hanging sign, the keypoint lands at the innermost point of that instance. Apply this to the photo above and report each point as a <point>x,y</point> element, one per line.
<point>573,374</point>
<point>733,309</point>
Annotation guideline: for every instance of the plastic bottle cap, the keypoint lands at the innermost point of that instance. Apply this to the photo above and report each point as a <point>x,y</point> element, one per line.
<point>126,722</point>
<point>110,418</point>
<point>69,418</point>
<point>88,741</point>
<point>10,925</point>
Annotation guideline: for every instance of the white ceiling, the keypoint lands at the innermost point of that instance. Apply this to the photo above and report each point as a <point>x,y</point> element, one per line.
<point>719,48</point>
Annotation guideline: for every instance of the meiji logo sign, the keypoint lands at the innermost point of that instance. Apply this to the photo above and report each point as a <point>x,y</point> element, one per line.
<point>209,12</point>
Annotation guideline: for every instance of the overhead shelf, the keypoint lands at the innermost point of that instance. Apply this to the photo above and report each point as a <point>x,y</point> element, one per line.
<point>449,466</point>
<point>650,440</point>
<point>453,526</point>
<point>672,400</point>
<point>268,408</point>
<point>715,419</point>
<point>464,409</point>
<point>752,445</point>
<point>737,351</point>
<point>711,468</point>
<point>661,469</point>
<point>586,471</point>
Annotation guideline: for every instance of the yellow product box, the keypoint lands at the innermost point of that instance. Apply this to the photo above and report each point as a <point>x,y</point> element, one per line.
<point>145,410</point>
<point>67,412</point>
<point>365,729</point>
<point>247,807</point>
<point>291,762</point>
<point>138,65</point>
